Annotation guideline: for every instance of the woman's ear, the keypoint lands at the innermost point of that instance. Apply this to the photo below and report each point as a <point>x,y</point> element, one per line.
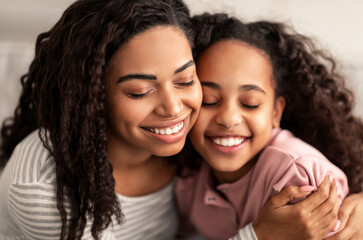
<point>278,111</point>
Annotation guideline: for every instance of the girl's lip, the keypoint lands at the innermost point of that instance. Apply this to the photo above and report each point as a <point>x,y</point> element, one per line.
<point>228,149</point>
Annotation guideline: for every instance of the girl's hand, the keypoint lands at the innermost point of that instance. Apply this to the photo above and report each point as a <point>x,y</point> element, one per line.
<point>351,216</point>
<point>312,218</point>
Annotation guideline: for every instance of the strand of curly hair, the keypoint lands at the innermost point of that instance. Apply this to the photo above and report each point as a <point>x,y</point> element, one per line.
<point>63,94</point>
<point>319,107</point>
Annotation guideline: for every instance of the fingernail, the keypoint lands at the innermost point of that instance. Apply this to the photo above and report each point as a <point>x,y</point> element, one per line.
<point>337,225</point>
<point>307,188</point>
<point>336,183</point>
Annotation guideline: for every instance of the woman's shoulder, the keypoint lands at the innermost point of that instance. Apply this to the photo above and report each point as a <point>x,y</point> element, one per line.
<point>31,161</point>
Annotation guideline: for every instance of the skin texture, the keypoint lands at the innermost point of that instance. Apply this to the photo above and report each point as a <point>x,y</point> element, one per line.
<point>312,218</point>
<point>151,84</point>
<point>239,103</point>
<point>351,216</point>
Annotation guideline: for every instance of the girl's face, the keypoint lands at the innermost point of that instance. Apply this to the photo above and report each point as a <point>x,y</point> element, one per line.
<point>238,110</point>
<point>153,94</point>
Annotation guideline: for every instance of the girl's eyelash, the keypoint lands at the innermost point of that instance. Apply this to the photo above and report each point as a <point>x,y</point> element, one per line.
<point>250,106</point>
<point>187,84</point>
<point>208,104</point>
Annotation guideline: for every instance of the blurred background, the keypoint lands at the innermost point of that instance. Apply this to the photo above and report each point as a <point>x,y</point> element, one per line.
<point>335,24</point>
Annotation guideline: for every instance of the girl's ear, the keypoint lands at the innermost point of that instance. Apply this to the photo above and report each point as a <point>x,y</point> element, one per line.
<point>277,112</point>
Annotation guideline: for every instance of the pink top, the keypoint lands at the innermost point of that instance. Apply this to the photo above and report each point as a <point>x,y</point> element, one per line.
<point>219,212</point>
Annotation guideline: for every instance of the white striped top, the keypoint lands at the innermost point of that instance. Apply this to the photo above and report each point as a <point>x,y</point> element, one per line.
<point>28,207</point>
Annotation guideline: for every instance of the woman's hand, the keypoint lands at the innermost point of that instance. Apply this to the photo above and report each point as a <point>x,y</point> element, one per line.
<point>351,216</point>
<point>312,218</point>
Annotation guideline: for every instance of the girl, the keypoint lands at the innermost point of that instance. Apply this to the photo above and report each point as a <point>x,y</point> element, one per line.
<point>111,92</point>
<point>255,78</point>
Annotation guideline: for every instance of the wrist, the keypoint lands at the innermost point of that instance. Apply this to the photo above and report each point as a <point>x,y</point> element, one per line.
<point>259,230</point>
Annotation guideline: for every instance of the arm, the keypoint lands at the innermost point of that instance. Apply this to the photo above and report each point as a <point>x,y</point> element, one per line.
<point>351,216</point>
<point>302,220</point>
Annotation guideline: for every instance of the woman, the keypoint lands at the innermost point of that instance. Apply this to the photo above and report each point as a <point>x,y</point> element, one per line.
<point>111,92</point>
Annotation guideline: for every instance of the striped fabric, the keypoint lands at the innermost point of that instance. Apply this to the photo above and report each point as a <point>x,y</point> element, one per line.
<point>28,202</point>
<point>246,233</point>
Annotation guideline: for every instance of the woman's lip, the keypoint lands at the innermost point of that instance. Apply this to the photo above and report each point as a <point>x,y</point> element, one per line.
<point>169,123</point>
<point>169,138</point>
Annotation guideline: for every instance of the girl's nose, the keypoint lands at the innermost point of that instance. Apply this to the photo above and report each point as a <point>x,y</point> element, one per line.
<point>170,104</point>
<point>229,116</point>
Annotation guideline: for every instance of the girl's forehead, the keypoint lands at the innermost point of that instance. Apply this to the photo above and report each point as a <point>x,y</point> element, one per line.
<point>236,63</point>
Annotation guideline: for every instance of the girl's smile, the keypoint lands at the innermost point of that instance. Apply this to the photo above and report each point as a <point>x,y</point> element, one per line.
<point>239,108</point>
<point>227,144</point>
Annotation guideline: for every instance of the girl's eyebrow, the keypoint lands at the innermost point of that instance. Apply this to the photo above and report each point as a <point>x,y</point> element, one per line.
<point>151,76</point>
<point>250,87</point>
<point>210,85</point>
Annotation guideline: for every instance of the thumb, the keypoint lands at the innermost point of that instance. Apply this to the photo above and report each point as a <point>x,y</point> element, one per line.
<point>290,193</point>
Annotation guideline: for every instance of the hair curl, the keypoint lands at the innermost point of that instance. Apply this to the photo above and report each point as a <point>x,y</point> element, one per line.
<point>318,104</point>
<point>63,93</point>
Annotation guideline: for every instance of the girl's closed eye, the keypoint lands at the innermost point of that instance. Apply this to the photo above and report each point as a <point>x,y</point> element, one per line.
<point>251,103</point>
<point>209,100</point>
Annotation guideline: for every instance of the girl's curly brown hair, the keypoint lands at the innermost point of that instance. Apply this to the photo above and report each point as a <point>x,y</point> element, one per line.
<point>318,104</point>
<point>63,93</point>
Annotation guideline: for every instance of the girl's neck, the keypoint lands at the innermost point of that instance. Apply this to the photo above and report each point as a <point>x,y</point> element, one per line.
<point>231,177</point>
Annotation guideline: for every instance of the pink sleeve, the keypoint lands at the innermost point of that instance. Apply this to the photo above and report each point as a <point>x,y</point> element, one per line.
<point>311,170</point>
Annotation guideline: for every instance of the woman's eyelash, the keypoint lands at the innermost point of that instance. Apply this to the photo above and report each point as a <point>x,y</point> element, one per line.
<point>139,95</point>
<point>132,95</point>
<point>190,83</point>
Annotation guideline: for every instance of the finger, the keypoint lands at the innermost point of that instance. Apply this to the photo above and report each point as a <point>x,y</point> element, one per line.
<point>286,195</point>
<point>317,198</point>
<point>345,233</point>
<point>345,209</point>
<point>330,205</point>
<point>325,216</point>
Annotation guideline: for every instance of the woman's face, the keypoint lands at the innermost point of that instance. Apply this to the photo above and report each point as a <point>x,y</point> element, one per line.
<point>239,108</point>
<point>153,93</point>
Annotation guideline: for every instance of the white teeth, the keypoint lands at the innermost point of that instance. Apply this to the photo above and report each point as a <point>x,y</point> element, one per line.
<point>228,141</point>
<point>167,131</point>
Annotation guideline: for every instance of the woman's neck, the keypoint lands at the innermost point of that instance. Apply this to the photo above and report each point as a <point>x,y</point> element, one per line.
<point>138,173</point>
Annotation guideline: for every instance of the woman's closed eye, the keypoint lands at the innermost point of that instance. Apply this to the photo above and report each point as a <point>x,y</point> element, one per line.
<point>139,95</point>
<point>185,84</point>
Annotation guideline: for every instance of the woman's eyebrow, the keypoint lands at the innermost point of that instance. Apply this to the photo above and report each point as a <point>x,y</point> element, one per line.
<point>185,66</point>
<point>250,87</point>
<point>150,76</point>
<point>136,76</point>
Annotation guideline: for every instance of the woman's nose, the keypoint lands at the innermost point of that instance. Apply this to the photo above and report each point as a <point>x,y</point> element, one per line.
<point>170,104</point>
<point>229,116</point>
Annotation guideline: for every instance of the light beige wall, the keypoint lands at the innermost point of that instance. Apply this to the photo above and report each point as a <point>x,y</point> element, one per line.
<point>335,23</point>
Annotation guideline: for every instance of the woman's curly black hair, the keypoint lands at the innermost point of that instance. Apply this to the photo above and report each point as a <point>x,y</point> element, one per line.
<point>63,94</point>
<point>318,104</point>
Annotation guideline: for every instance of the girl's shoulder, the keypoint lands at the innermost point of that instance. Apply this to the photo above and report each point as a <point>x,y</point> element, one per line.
<point>284,141</point>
